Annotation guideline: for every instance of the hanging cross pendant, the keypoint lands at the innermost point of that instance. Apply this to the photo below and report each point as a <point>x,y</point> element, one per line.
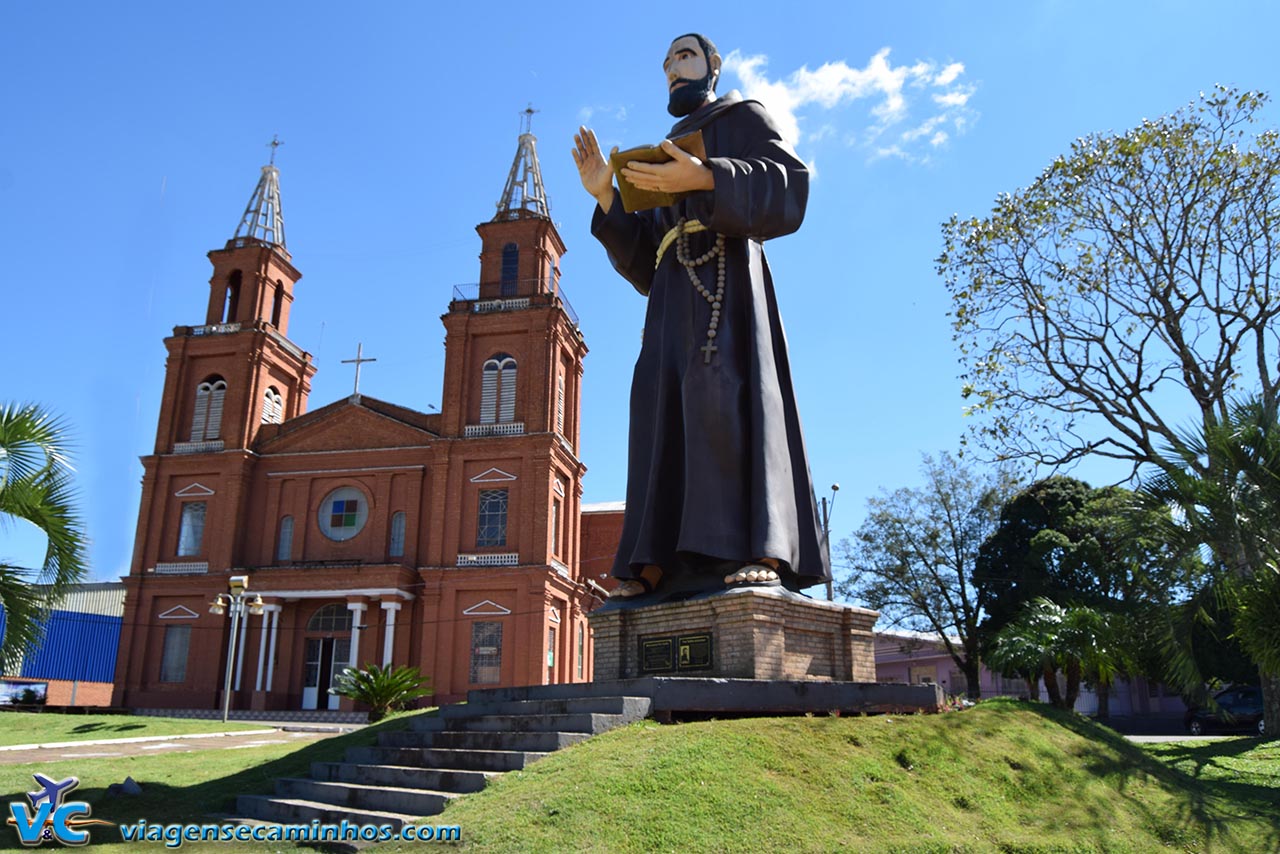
<point>707,350</point>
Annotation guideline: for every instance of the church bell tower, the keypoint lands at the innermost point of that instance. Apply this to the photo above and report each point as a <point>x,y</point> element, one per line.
<point>513,360</point>
<point>513,369</point>
<point>238,370</point>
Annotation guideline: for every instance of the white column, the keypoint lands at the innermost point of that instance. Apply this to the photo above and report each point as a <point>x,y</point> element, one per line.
<point>388,639</point>
<point>271,653</point>
<point>244,629</point>
<point>357,615</point>
<point>262,651</point>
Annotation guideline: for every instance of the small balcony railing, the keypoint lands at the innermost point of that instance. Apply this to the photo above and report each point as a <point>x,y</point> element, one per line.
<point>186,567</point>
<point>489,559</point>
<point>216,329</point>
<point>207,446</point>
<point>469,295</point>
<point>508,428</point>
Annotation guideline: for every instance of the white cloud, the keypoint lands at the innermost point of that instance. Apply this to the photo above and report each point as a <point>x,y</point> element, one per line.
<point>949,74</point>
<point>896,94</point>
<point>823,132</point>
<point>956,98</point>
<point>618,113</point>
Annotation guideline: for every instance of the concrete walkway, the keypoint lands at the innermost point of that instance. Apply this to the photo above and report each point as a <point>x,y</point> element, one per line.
<point>21,754</point>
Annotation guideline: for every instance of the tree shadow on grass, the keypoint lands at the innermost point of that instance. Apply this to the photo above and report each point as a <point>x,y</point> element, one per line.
<point>1213,805</point>
<point>101,727</point>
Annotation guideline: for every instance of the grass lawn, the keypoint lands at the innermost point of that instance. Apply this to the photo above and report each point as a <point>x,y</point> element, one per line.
<point>48,728</point>
<point>1004,776</point>
<point>178,787</point>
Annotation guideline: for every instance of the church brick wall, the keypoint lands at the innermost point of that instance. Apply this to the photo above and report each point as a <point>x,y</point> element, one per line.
<point>400,460</point>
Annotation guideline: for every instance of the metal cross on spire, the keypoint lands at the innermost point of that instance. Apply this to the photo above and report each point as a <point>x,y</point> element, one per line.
<point>526,123</point>
<point>358,361</point>
<point>523,196</point>
<point>275,143</point>
<point>263,217</point>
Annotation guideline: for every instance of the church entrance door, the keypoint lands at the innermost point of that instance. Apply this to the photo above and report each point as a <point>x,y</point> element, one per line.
<point>324,660</point>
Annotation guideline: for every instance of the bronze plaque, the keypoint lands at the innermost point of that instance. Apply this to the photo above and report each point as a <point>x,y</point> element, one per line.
<point>657,654</point>
<point>694,652</point>
<point>675,654</point>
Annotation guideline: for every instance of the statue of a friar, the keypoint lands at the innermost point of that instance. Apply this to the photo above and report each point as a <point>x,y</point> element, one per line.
<point>718,486</point>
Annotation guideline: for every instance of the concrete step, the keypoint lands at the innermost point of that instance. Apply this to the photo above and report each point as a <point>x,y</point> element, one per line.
<point>401,776</point>
<point>540,742</point>
<point>633,707</point>
<point>300,811</point>
<point>643,687</point>
<point>427,757</point>
<point>585,722</point>
<point>365,797</point>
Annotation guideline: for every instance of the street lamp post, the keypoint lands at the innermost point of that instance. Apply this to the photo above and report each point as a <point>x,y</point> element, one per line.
<point>826,535</point>
<point>237,601</point>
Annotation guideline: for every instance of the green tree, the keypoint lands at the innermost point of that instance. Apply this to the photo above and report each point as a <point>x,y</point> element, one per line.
<point>1136,277</point>
<point>1231,510</point>
<point>1083,643</point>
<point>913,557</point>
<point>36,486</point>
<point>1062,539</point>
<point>382,689</point>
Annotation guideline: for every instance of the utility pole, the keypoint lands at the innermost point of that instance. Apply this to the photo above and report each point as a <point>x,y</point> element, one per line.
<point>826,535</point>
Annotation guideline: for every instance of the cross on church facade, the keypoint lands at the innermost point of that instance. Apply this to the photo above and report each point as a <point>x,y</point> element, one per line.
<point>357,361</point>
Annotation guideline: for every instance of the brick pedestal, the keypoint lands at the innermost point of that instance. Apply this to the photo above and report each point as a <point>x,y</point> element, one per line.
<point>757,633</point>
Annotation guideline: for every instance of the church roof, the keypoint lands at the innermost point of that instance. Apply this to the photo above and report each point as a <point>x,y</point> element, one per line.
<point>276,434</point>
<point>263,217</point>
<point>523,196</point>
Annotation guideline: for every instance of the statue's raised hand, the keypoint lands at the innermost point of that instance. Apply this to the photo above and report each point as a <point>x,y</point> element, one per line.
<point>593,167</point>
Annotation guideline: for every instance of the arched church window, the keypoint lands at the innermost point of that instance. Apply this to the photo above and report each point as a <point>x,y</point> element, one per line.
<point>277,304</point>
<point>206,421</point>
<point>510,269</point>
<point>491,522</point>
<point>560,402</point>
<point>330,618</point>
<point>498,390</point>
<point>272,406</point>
<point>284,548</point>
<point>232,301</point>
<point>396,547</point>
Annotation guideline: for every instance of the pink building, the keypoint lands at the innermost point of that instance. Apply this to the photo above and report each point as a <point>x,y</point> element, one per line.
<point>921,658</point>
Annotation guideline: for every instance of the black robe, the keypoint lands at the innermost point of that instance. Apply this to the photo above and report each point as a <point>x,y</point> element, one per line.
<point>717,473</point>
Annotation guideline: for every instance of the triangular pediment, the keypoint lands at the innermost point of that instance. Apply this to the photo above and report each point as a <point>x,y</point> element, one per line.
<point>487,608</point>
<point>493,476</point>
<point>555,615</point>
<point>195,489</point>
<point>178,612</point>
<point>345,426</point>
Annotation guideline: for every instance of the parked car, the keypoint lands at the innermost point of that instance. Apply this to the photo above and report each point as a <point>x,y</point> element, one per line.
<point>1239,710</point>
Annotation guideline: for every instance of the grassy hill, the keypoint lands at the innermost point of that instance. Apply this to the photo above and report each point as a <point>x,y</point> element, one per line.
<point>1003,776</point>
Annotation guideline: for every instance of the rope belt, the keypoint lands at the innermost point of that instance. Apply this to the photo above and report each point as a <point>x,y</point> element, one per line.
<point>692,226</point>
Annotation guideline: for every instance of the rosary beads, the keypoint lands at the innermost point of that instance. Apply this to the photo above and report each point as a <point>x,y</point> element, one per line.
<point>715,299</point>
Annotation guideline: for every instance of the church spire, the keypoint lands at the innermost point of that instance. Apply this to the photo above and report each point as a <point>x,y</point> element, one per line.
<point>263,217</point>
<point>523,196</point>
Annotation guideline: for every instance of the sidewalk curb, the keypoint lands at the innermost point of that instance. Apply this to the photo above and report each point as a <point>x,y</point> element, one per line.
<point>53,745</point>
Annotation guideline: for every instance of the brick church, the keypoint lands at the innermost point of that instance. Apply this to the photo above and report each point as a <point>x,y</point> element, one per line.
<point>372,533</point>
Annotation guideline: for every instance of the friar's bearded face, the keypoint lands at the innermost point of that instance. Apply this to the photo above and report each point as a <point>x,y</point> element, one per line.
<point>691,75</point>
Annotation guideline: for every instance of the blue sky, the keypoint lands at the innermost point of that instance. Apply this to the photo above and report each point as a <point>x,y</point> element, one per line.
<point>133,135</point>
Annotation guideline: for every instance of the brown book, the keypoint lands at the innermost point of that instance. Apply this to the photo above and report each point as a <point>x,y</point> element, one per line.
<point>635,199</point>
